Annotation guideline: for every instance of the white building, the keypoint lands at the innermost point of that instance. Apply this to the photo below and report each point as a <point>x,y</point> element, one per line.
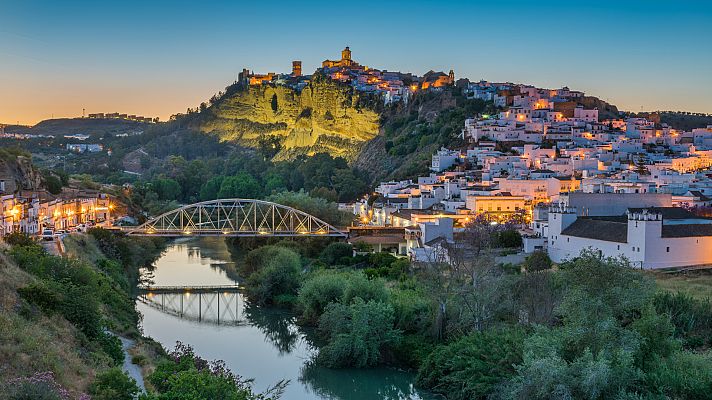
<point>649,237</point>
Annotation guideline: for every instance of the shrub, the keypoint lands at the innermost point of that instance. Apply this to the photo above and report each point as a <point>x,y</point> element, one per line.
<point>41,295</point>
<point>277,279</point>
<point>335,252</point>
<point>318,291</point>
<point>691,317</point>
<point>472,366</point>
<point>684,375</point>
<point>358,285</point>
<point>186,376</point>
<point>113,384</point>
<point>413,310</point>
<point>81,308</point>
<point>537,261</point>
<point>40,386</point>
<point>509,238</point>
<point>111,345</point>
<point>358,333</point>
<point>19,239</point>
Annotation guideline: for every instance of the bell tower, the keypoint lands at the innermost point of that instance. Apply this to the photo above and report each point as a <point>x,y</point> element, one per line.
<point>346,54</point>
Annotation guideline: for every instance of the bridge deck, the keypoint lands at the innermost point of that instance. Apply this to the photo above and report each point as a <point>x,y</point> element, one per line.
<point>177,233</point>
<point>189,289</point>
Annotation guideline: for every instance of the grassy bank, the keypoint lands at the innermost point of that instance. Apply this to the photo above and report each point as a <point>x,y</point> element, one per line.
<point>56,312</point>
<point>697,284</point>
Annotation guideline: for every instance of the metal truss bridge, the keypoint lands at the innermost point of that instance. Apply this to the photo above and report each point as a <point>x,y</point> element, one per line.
<point>235,217</point>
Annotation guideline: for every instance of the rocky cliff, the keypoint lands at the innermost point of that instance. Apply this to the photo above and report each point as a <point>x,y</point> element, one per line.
<point>325,116</point>
<point>18,173</point>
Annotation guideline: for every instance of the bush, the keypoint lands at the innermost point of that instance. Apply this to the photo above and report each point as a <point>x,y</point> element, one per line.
<point>113,384</point>
<point>318,291</point>
<point>40,386</point>
<point>41,295</point>
<point>358,285</point>
<point>277,279</point>
<point>537,261</point>
<point>692,318</point>
<point>111,345</point>
<point>358,333</point>
<point>186,376</point>
<point>472,366</point>
<point>81,308</point>
<point>509,238</point>
<point>19,239</point>
<point>684,375</point>
<point>413,310</point>
<point>335,252</point>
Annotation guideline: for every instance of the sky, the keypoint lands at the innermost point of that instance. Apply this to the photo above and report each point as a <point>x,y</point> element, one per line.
<point>157,58</point>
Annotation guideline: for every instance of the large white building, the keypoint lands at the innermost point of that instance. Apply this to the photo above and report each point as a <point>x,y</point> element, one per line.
<point>649,237</point>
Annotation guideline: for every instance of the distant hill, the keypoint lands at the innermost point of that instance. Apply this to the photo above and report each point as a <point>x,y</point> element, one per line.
<point>685,121</point>
<point>65,126</point>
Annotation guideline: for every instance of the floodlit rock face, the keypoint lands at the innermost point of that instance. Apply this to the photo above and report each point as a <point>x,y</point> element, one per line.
<point>325,116</point>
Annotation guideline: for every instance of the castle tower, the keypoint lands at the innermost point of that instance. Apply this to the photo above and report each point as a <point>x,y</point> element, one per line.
<point>451,75</point>
<point>296,68</point>
<point>346,54</point>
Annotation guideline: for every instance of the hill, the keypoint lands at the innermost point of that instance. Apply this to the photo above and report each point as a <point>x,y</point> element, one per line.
<point>67,126</point>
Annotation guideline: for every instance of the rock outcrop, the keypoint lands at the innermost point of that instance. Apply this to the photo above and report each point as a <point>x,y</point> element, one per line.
<point>18,173</point>
<point>325,116</point>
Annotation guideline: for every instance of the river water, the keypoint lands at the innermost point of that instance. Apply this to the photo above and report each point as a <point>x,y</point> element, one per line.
<point>258,343</point>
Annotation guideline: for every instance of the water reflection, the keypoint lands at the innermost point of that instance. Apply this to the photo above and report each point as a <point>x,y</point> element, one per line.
<point>209,307</point>
<point>261,343</point>
<point>358,384</point>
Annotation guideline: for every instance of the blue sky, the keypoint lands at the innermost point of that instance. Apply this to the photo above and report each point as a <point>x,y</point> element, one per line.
<point>157,58</point>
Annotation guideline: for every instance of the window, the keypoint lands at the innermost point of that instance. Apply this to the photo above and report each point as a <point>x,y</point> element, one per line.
<point>618,247</point>
<point>667,249</point>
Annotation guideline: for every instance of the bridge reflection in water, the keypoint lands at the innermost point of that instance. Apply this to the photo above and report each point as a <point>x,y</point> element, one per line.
<point>219,305</point>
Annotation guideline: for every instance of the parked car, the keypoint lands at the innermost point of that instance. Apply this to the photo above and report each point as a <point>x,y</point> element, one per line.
<point>60,232</point>
<point>47,234</point>
<point>81,228</point>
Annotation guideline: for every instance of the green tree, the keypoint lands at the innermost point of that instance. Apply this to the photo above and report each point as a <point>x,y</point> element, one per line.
<point>358,333</point>
<point>537,261</point>
<point>242,185</point>
<point>334,252</point>
<point>113,384</point>
<point>472,366</point>
<point>276,281</point>
<point>210,189</point>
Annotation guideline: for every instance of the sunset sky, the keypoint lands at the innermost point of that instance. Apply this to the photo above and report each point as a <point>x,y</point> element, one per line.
<point>156,58</point>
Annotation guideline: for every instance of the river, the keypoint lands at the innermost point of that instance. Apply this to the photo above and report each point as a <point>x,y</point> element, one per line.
<point>258,343</point>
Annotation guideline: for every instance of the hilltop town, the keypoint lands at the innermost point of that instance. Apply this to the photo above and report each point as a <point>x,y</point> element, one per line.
<point>568,170</point>
<point>572,180</point>
<point>393,86</point>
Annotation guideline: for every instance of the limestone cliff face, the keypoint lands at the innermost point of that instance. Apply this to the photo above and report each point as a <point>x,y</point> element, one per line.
<point>19,174</point>
<point>324,117</point>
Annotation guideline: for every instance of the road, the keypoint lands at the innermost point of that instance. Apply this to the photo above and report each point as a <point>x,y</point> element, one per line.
<point>53,246</point>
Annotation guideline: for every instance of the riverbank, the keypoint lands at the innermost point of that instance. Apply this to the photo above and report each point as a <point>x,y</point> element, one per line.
<point>263,343</point>
<point>57,313</point>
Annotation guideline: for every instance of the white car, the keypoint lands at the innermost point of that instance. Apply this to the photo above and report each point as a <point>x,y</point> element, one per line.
<point>47,234</point>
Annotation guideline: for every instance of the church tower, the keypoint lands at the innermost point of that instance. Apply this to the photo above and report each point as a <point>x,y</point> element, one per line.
<point>346,54</point>
<point>296,68</point>
<point>451,75</point>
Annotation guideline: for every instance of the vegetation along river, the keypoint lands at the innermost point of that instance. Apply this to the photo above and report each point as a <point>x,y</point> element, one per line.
<point>263,344</point>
